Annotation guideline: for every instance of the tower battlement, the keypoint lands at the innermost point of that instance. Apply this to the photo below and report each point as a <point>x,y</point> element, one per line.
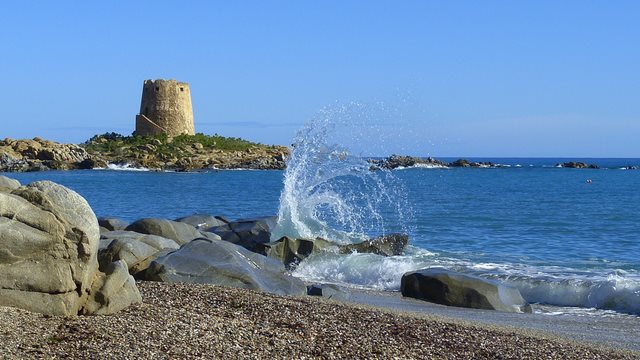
<point>165,108</point>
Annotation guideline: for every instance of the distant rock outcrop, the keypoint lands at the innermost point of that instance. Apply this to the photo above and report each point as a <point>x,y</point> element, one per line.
<point>38,154</point>
<point>577,165</point>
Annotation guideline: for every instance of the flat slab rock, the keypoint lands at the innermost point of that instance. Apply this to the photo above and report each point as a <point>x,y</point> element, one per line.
<point>222,263</point>
<point>450,288</point>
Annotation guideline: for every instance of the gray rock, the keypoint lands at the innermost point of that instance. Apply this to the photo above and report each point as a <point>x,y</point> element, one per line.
<point>328,291</point>
<point>135,249</point>
<point>252,234</point>
<point>202,221</point>
<point>112,224</point>
<point>112,291</point>
<point>446,287</point>
<point>182,233</point>
<point>222,263</point>
<point>8,184</point>
<point>48,250</point>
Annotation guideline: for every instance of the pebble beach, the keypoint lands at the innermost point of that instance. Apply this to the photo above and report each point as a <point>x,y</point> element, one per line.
<point>204,321</point>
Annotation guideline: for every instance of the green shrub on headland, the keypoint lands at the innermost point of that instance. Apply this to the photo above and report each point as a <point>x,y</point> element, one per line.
<point>110,141</point>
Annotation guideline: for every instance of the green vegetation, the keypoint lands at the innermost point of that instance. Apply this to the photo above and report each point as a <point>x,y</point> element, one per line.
<point>108,142</point>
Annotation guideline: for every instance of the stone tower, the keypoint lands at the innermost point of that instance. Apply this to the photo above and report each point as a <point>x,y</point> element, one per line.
<point>165,109</point>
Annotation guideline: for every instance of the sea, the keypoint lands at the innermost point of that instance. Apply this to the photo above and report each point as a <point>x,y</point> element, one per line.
<point>568,239</point>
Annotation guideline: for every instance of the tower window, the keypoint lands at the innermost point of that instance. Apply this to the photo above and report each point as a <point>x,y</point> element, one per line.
<point>181,88</point>
<point>157,88</point>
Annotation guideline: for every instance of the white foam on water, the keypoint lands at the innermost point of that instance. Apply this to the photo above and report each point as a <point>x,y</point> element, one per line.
<point>122,167</point>
<point>567,290</point>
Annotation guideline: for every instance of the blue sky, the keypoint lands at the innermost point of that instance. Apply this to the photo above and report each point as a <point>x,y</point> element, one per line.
<point>466,78</point>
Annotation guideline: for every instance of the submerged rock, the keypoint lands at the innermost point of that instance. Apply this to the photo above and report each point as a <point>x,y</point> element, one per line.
<point>222,263</point>
<point>454,289</point>
<point>48,254</point>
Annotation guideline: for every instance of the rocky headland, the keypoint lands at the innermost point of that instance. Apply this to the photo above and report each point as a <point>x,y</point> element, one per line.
<point>162,153</point>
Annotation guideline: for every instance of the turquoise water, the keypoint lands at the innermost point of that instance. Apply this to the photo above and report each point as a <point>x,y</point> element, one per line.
<point>559,239</point>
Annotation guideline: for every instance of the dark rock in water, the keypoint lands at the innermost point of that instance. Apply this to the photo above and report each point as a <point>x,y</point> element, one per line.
<point>135,249</point>
<point>182,233</point>
<point>112,224</point>
<point>399,161</point>
<point>454,289</point>
<point>8,184</point>
<point>577,165</point>
<point>328,291</point>
<point>291,251</point>
<point>226,264</point>
<point>252,234</point>
<point>387,245</point>
<point>203,221</point>
<point>467,163</point>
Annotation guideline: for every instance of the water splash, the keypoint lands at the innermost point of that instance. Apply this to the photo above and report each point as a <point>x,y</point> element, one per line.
<point>329,189</point>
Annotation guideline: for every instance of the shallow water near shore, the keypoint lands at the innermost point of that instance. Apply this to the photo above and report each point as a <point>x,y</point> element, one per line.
<point>560,240</point>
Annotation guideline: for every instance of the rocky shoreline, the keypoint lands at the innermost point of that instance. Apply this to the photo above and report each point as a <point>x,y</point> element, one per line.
<point>160,153</point>
<point>168,287</point>
<point>188,153</point>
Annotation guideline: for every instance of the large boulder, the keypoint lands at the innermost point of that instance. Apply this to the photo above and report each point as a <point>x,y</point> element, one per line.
<point>135,249</point>
<point>48,251</point>
<point>202,221</point>
<point>181,232</point>
<point>446,287</point>
<point>223,263</point>
<point>252,234</point>
<point>8,184</point>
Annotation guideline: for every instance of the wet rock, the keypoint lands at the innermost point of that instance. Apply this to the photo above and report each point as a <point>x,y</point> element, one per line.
<point>328,291</point>
<point>226,264</point>
<point>291,251</point>
<point>454,289</point>
<point>388,245</point>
